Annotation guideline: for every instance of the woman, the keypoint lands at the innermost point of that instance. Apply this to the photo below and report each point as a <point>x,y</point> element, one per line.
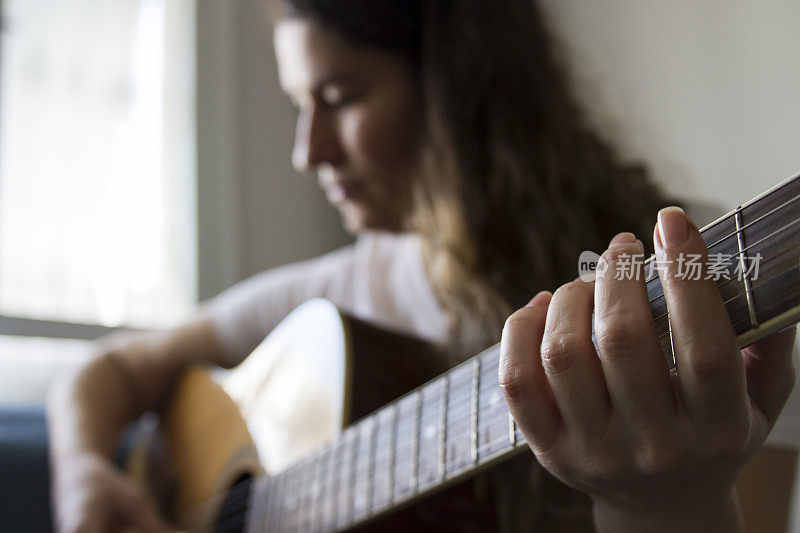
<point>446,124</point>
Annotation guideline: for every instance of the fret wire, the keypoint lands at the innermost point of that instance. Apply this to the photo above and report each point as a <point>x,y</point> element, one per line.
<point>738,294</point>
<point>760,241</point>
<point>276,514</point>
<point>512,433</point>
<point>371,469</point>
<point>306,492</point>
<point>268,508</point>
<point>733,214</point>
<point>726,218</point>
<point>317,489</point>
<point>787,296</point>
<point>669,332</point>
<point>515,442</point>
<point>750,303</point>
<point>476,374</point>
<point>742,250</point>
<point>254,506</point>
<point>415,446</point>
<point>352,485</point>
<point>754,287</point>
<point>333,501</point>
<point>513,439</point>
<point>738,211</point>
<point>283,518</point>
<point>392,446</point>
<point>673,363</point>
<point>771,235</point>
<point>291,499</point>
<point>443,423</point>
<point>349,449</point>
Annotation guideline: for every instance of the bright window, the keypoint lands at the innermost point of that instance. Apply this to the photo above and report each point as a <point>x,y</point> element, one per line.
<point>97,178</point>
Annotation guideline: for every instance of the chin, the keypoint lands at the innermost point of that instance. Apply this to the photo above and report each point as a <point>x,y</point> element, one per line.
<point>353,222</point>
<point>356,220</point>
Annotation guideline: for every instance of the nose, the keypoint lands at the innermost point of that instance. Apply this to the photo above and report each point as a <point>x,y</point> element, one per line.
<point>315,140</point>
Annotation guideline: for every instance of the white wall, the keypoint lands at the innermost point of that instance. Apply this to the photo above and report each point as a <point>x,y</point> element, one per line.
<point>706,91</point>
<point>255,211</point>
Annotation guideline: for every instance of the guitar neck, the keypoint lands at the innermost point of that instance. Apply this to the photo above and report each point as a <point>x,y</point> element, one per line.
<point>458,423</point>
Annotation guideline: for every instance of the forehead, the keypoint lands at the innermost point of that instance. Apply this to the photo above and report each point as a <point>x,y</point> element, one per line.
<point>308,56</point>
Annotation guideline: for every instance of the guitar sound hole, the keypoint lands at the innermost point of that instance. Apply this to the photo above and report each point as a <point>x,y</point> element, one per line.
<point>233,512</point>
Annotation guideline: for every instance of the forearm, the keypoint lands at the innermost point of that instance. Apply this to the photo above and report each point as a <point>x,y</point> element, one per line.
<point>709,516</point>
<point>87,411</point>
<point>134,373</point>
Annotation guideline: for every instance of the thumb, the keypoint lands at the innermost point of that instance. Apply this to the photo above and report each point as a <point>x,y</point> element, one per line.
<point>770,374</point>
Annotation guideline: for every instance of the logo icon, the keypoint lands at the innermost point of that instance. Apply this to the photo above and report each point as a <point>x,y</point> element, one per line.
<point>589,266</point>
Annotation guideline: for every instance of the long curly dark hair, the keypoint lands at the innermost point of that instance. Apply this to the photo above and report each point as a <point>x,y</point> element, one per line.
<point>516,182</point>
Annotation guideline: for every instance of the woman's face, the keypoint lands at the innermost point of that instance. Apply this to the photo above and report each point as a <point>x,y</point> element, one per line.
<point>358,124</point>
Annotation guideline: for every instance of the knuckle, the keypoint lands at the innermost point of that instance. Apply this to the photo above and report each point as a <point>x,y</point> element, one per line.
<point>514,381</point>
<point>729,441</point>
<point>613,255</point>
<point>709,363</point>
<point>520,320</point>
<point>575,288</point>
<point>604,469</point>
<point>560,352</point>
<point>619,336</point>
<point>654,458</point>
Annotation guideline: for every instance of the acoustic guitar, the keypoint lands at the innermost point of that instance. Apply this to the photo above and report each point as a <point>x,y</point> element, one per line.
<point>282,410</point>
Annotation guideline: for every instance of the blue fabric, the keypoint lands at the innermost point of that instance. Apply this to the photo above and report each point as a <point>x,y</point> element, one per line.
<point>24,471</point>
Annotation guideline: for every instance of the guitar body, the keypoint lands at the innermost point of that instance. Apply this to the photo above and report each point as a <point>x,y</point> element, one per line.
<point>317,372</point>
<point>283,409</point>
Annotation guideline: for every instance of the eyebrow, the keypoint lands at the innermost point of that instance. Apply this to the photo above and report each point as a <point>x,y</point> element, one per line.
<point>333,79</point>
<point>320,85</point>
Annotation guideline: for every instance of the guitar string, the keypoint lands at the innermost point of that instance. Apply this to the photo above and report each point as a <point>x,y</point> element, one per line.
<point>724,219</point>
<point>502,418</point>
<point>794,248</point>
<point>757,283</point>
<point>325,479</point>
<point>499,419</point>
<point>730,216</point>
<point>323,475</point>
<point>660,294</point>
<point>230,505</point>
<point>320,476</point>
<point>317,473</point>
<point>769,236</point>
<point>322,506</point>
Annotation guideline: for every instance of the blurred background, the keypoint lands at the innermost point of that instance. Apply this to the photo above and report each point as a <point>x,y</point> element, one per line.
<point>144,147</point>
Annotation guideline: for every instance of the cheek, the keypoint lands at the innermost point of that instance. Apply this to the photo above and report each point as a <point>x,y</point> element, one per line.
<point>384,141</point>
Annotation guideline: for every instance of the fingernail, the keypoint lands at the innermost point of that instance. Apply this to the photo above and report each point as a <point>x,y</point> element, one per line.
<point>673,227</point>
<point>541,299</point>
<point>623,238</point>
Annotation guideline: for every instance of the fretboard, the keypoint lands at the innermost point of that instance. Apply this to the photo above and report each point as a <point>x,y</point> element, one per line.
<point>458,423</point>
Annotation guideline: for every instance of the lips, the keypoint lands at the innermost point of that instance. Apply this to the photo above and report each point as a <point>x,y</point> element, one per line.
<point>341,191</point>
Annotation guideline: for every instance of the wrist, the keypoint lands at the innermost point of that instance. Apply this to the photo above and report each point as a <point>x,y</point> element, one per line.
<point>713,514</point>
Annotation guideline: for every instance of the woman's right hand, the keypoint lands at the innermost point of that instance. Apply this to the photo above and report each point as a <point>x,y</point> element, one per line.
<point>88,410</point>
<point>90,495</point>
